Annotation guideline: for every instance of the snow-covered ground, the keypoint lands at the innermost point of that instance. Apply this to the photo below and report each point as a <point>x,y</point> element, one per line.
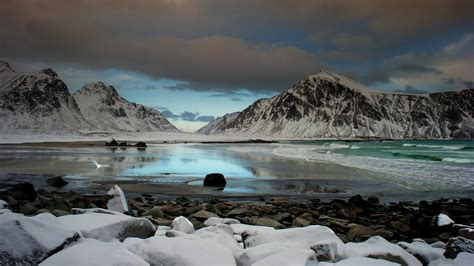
<point>105,237</point>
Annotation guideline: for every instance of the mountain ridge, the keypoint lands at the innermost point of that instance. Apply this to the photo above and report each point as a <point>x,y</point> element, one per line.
<point>329,105</point>
<point>40,102</point>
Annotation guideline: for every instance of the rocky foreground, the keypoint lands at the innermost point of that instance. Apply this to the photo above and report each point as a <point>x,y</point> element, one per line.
<point>64,228</point>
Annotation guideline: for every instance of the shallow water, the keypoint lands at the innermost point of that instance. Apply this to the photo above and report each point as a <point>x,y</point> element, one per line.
<point>310,169</point>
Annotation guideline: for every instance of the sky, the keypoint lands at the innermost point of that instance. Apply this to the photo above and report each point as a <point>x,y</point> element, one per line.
<point>197,60</point>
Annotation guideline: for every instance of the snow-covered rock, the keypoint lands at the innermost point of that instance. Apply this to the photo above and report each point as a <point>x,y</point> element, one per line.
<point>302,237</point>
<point>462,259</point>
<point>329,105</point>
<point>295,257</point>
<point>29,240</point>
<point>4,207</point>
<point>94,252</point>
<point>457,245</point>
<point>251,255</point>
<point>378,247</point>
<point>107,225</point>
<point>222,234</point>
<point>118,203</point>
<point>443,220</point>
<point>360,261</point>
<point>185,250</point>
<point>182,224</point>
<point>103,107</point>
<point>424,252</point>
<point>217,220</point>
<point>239,229</point>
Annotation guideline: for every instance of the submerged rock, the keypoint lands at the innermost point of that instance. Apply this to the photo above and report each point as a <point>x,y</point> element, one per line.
<point>57,181</point>
<point>214,180</point>
<point>140,145</point>
<point>113,142</point>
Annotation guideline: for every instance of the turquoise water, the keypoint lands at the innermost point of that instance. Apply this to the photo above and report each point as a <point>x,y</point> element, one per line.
<point>442,151</point>
<point>393,170</point>
<point>416,165</point>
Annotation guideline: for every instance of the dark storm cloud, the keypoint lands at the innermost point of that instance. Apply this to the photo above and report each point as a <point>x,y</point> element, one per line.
<point>221,45</point>
<point>169,114</point>
<point>412,68</point>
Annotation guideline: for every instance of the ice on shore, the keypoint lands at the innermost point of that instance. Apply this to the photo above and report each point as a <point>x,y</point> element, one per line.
<point>94,252</point>
<point>118,203</point>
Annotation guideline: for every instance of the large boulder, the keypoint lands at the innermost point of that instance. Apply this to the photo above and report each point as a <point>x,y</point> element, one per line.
<point>378,248</point>
<point>22,191</point>
<point>107,225</point>
<point>422,251</point>
<point>29,240</point>
<point>140,145</point>
<point>94,252</point>
<point>221,234</point>
<point>457,245</point>
<point>214,180</point>
<point>182,250</point>
<point>355,261</point>
<point>57,181</point>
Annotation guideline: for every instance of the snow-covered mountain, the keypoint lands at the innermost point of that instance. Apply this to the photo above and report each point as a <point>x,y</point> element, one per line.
<point>37,103</point>
<point>41,103</point>
<point>218,123</point>
<point>103,107</point>
<point>328,105</point>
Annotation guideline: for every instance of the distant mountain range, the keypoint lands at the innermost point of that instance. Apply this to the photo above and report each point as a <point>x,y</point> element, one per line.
<point>328,105</point>
<point>41,103</point>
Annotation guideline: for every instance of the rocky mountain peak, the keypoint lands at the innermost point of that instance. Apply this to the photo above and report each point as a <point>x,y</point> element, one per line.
<point>50,72</point>
<point>100,89</point>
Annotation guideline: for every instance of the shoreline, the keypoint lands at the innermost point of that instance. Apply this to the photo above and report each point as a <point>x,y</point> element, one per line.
<point>355,219</point>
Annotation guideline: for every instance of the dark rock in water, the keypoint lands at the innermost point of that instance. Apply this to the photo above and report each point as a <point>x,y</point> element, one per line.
<point>457,245</point>
<point>113,142</point>
<point>57,181</point>
<point>373,200</point>
<point>358,201</point>
<point>22,191</point>
<point>214,180</point>
<point>123,144</point>
<point>141,145</point>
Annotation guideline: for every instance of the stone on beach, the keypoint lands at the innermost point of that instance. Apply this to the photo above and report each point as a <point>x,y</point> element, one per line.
<point>422,251</point>
<point>217,220</point>
<point>29,240</point>
<point>183,225</point>
<point>214,180</point>
<point>94,252</point>
<point>118,202</point>
<point>443,220</point>
<point>106,225</point>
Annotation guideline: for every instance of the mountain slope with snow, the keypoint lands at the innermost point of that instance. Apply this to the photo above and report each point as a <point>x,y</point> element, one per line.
<point>103,107</point>
<point>328,105</point>
<point>37,103</point>
<point>218,123</point>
